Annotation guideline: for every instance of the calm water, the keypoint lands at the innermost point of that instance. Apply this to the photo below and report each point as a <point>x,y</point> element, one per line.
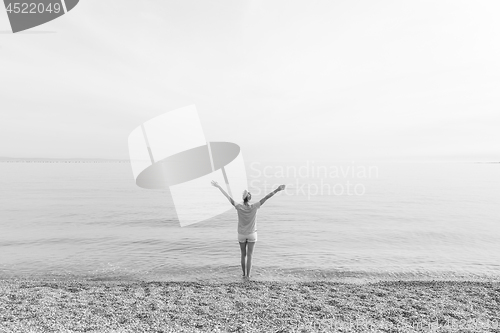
<point>413,220</point>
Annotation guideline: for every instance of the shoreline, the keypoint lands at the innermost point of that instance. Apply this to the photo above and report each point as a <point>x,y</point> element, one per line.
<point>233,275</point>
<point>247,306</point>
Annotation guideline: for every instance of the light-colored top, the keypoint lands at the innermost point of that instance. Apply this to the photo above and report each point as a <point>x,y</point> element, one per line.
<point>246,218</point>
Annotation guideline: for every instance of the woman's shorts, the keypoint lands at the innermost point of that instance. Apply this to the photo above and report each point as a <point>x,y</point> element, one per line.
<point>251,238</point>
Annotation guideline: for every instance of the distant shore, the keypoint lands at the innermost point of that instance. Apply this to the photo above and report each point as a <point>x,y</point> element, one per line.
<point>42,160</point>
<point>248,306</point>
<point>4,159</point>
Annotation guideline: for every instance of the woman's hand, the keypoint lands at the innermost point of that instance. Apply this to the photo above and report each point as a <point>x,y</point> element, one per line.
<point>214,183</point>
<point>281,187</point>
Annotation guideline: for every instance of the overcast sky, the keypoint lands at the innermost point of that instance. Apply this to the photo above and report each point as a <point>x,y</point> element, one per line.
<point>286,79</point>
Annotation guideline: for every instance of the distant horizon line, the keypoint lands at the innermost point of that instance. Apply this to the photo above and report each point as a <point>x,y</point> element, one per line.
<point>63,158</point>
<point>101,159</point>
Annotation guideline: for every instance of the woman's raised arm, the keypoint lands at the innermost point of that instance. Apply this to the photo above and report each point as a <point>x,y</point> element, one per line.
<point>214,183</point>
<point>280,188</point>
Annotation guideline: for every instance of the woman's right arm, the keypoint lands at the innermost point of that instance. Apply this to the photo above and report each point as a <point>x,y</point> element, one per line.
<point>280,188</point>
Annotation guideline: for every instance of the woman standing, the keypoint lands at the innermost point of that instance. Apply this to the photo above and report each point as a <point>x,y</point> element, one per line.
<point>247,227</point>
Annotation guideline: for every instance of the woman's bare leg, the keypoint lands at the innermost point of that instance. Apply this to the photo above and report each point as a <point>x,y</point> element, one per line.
<point>243,255</point>
<point>251,245</point>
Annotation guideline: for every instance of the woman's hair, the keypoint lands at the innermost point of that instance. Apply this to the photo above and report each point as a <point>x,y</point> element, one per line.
<point>246,194</point>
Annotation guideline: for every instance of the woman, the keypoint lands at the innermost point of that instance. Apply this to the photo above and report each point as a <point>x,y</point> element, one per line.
<point>247,227</point>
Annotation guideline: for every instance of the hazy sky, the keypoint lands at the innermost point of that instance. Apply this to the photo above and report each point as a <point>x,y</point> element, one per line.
<point>286,79</point>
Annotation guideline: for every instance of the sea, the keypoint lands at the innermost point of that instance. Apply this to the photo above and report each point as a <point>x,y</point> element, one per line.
<point>343,221</point>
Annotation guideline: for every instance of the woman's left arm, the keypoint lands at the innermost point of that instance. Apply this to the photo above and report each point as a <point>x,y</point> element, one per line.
<point>280,188</point>
<point>214,183</point>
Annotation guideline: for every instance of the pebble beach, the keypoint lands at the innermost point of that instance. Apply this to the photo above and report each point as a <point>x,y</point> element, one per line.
<point>249,306</point>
